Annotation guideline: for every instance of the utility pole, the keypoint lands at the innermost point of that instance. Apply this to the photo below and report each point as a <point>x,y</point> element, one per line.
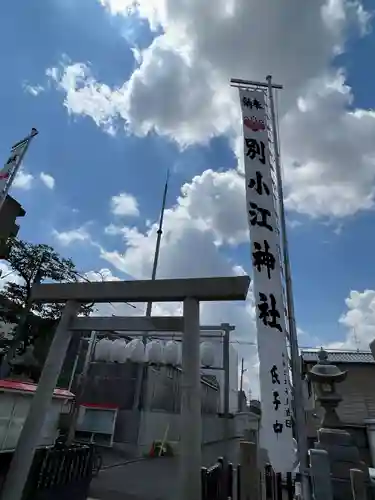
<point>142,370</point>
<point>226,366</point>
<point>226,328</point>
<point>243,370</point>
<point>158,241</point>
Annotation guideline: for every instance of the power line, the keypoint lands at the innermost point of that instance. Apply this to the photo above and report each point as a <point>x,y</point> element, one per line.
<point>8,274</point>
<point>85,278</point>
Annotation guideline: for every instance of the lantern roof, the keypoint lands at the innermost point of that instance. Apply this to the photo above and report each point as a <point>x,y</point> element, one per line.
<point>324,371</point>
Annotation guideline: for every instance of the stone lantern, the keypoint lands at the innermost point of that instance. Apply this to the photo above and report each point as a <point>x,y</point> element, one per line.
<point>340,452</point>
<point>325,376</point>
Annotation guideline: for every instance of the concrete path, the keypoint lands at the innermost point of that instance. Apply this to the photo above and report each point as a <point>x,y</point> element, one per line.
<point>154,479</point>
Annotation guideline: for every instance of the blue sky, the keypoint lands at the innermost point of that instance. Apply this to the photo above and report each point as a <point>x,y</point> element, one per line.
<point>331,254</point>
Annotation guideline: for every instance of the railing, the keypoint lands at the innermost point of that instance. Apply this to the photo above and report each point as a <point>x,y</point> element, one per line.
<point>60,474</point>
<point>217,481</point>
<point>277,486</point>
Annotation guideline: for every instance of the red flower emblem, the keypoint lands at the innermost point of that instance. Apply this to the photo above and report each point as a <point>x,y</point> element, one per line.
<point>254,124</point>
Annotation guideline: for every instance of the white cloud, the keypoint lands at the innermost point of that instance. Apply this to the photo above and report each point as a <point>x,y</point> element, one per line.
<point>308,341</point>
<point>8,275</point>
<point>359,320</point>
<point>65,238</point>
<point>113,230</point>
<point>219,40</point>
<point>124,204</point>
<point>212,202</point>
<point>23,180</point>
<point>34,90</point>
<point>217,201</point>
<point>322,140</point>
<point>48,180</point>
<point>118,6</point>
<point>109,309</point>
<point>181,88</point>
<point>104,274</point>
<point>84,96</point>
<point>178,259</point>
<point>189,249</point>
<point>192,228</point>
<point>293,223</point>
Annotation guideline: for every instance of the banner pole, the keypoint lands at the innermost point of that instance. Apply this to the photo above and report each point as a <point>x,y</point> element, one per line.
<point>298,401</point>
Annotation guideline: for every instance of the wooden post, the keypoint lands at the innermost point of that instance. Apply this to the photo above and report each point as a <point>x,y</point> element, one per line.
<point>320,475</point>
<point>250,474</point>
<point>357,479</point>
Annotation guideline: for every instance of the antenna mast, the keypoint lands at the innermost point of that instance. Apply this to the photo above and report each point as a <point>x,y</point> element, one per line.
<point>158,241</point>
<point>355,337</point>
<point>142,373</point>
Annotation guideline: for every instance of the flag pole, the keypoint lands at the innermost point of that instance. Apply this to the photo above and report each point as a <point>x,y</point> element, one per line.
<point>298,401</point>
<point>142,370</point>
<point>13,174</point>
<point>158,240</point>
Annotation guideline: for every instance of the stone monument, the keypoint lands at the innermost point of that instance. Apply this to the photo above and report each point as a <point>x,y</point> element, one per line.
<point>332,437</point>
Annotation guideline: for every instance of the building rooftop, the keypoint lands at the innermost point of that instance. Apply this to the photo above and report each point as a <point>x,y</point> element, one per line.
<point>335,356</point>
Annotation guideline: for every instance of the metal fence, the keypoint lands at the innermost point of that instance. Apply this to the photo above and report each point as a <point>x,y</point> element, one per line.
<point>62,473</point>
<point>218,481</point>
<point>223,483</point>
<point>277,486</point>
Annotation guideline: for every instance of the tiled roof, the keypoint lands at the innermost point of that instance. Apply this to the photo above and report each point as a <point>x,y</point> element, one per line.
<point>311,356</point>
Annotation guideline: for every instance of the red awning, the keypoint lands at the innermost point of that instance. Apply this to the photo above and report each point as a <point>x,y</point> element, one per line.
<point>26,387</point>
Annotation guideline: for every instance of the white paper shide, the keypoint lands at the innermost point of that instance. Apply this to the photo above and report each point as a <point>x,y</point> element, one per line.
<point>276,428</point>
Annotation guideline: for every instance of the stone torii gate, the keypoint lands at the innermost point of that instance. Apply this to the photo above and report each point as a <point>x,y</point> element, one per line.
<point>189,291</point>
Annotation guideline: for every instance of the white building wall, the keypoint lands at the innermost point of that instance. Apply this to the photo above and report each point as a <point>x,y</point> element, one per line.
<point>217,344</point>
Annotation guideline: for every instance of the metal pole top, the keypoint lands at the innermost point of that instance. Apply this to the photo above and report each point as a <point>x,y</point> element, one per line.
<point>237,82</point>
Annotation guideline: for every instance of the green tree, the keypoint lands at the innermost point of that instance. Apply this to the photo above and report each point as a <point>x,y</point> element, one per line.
<point>33,263</point>
<point>39,262</point>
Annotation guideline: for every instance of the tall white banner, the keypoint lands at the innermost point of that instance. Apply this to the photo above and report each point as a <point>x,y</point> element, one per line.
<point>276,425</point>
